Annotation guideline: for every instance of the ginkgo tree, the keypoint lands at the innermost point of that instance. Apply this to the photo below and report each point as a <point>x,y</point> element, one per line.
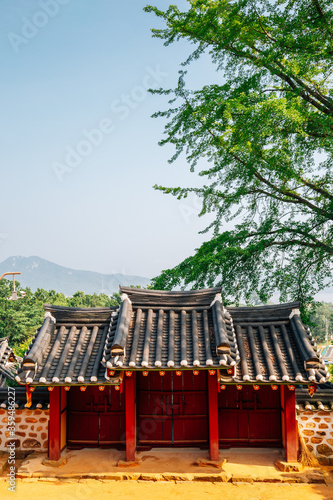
<point>266,134</point>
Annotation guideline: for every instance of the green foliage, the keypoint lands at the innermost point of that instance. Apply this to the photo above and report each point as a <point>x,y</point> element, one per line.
<point>19,319</point>
<point>321,319</point>
<point>266,132</point>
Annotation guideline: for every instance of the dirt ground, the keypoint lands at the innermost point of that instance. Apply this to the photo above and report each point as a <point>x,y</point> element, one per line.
<point>90,489</point>
<point>240,462</point>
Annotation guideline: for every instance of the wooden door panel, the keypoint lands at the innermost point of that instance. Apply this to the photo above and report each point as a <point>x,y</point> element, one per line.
<point>190,430</point>
<point>154,430</point>
<point>95,417</point>
<point>248,417</point>
<point>112,428</point>
<point>172,409</point>
<point>82,428</point>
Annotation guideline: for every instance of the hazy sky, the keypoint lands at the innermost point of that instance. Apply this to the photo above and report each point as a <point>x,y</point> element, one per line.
<point>79,147</point>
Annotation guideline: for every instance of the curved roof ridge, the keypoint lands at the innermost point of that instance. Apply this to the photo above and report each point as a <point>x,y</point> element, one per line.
<point>140,296</point>
<point>51,308</point>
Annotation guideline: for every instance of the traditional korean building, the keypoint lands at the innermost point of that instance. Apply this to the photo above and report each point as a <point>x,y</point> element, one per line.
<point>8,362</point>
<point>172,369</point>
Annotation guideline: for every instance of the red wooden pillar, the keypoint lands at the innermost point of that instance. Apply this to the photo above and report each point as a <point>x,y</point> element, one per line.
<point>54,425</point>
<point>289,424</point>
<point>130,398</point>
<point>213,416</point>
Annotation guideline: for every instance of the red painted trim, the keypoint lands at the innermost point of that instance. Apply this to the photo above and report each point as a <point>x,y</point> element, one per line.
<point>130,400</point>
<point>54,424</point>
<point>283,424</point>
<point>213,417</point>
<point>290,425</point>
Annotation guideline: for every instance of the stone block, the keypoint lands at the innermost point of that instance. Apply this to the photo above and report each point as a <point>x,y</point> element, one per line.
<point>307,432</point>
<point>54,463</point>
<point>124,463</point>
<point>316,440</point>
<point>288,466</point>
<point>324,449</point>
<point>16,442</point>
<point>315,477</point>
<point>31,443</point>
<point>151,477</point>
<point>131,476</point>
<point>241,479</point>
<point>171,476</point>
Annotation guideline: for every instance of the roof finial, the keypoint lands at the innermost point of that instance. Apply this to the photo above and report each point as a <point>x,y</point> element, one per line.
<point>217,298</point>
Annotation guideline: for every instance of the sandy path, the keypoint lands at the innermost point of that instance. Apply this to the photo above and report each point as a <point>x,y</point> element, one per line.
<point>98,490</point>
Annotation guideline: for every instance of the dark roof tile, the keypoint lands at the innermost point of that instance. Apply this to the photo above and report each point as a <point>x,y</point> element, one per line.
<point>172,330</point>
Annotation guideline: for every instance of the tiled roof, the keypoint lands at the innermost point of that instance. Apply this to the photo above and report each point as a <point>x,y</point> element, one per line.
<point>68,348</point>
<point>171,329</point>
<point>274,345</point>
<point>159,330</point>
<point>8,362</point>
<point>39,399</point>
<point>321,400</point>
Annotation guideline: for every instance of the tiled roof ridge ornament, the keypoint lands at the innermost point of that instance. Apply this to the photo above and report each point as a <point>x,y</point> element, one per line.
<point>120,338</point>
<point>294,312</point>
<point>304,342</point>
<point>49,315</point>
<point>217,298</point>
<point>220,329</point>
<point>31,362</point>
<point>124,296</point>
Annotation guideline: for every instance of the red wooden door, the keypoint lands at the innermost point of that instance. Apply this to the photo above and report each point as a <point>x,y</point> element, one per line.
<point>95,418</point>
<point>172,409</point>
<point>249,418</point>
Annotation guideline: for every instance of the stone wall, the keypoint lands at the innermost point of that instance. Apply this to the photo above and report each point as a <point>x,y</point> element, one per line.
<point>31,430</point>
<point>317,429</point>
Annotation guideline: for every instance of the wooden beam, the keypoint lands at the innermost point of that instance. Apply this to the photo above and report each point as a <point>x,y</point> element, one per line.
<point>130,400</point>
<point>54,425</point>
<point>213,417</point>
<point>290,425</point>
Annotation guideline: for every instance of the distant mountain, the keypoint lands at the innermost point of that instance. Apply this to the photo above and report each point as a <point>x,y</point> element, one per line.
<point>41,273</point>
